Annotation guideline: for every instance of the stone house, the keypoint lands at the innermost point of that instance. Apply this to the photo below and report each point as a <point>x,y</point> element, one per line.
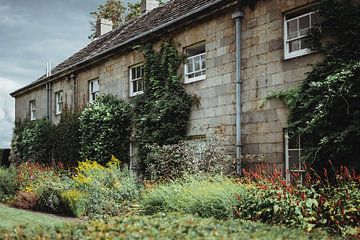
<point>239,52</point>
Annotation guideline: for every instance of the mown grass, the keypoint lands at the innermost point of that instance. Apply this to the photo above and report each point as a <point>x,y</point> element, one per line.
<point>11,217</point>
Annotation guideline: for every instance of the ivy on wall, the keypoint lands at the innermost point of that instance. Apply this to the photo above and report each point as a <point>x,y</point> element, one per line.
<point>161,114</point>
<point>325,109</point>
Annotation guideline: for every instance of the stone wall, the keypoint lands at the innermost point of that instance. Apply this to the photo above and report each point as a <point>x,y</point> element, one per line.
<point>265,72</point>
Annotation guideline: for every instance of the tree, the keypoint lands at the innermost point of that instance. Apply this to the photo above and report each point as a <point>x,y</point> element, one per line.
<point>325,110</point>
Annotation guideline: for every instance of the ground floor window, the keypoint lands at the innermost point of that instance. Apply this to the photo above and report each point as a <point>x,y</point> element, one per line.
<point>294,167</point>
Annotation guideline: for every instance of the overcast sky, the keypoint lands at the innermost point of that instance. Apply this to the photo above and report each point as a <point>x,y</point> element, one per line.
<point>32,33</point>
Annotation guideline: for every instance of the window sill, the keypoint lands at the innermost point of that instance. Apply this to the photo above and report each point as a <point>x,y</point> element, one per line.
<point>136,94</point>
<point>195,79</point>
<point>296,54</point>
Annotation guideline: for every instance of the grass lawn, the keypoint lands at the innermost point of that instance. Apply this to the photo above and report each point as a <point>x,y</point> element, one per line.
<point>11,217</point>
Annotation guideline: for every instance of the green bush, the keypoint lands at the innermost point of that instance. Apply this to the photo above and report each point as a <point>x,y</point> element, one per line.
<point>204,196</point>
<point>109,190</point>
<point>105,127</point>
<point>173,161</point>
<point>8,182</point>
<point>316,204</point>
<point>50,198</point>
<point>66,139</point>
<point>160,226</point>
<point>32,141</point>
<point>75,202</point>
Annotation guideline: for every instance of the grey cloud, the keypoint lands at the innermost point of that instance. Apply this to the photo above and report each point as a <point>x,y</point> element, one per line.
<point>32,33</point>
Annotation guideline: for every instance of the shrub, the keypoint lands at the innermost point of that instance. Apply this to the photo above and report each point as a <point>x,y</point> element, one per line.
<point>25,200</point>
<point>109,190</point>
<point>161,226</point>
<point>315,204</point>
<point>75,201</point>
<point>8,182</point>
<point>173,161</point>
<point>50,194</point>
<point>33,141</point>
<point>205,196</point>
<point>105,128</point>
<point>32,177</point>
<point>66,139</point>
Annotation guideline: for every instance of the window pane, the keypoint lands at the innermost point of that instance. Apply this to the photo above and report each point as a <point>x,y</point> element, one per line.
<point>96,86</point>
<point>303,43</point>
<point>138,72</point>
<point>135,86</point>
<point>133,73</point>
<point>203,62</point>
<point>141,85</point>
<point>304,22</point>
<point>294,45</point>
<point>292,29</point>
<point>190,67</point>
<point>197,63</point>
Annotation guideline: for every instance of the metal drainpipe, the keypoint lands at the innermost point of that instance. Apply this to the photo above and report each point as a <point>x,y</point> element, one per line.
<point>49,101</point>
<point>73,79</point>
<point>238,16</point>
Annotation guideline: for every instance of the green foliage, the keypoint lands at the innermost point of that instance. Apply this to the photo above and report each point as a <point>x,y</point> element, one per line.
<point>173,161</point>
<point>203,196</point>
<point>105,127</point>
<point>32,141</point>
<point>75,201</point>
<point>161,226</point>
<point>66,139</point>
<point>162,112</point>
<point>316,204</point>
<point>109,190</point>
<point>325,110</point>
<point>8,182</point>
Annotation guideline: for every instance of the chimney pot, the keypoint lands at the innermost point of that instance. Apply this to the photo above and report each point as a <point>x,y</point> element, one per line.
<point>103,26</point>
<point>148,5</point>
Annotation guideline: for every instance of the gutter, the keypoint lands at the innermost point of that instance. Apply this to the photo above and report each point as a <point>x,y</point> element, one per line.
<point>102,55</point>
<point>238,16</point>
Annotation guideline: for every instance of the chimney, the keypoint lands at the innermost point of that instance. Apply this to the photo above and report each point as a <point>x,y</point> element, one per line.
<point>148,5</point>
<point>103,26</point>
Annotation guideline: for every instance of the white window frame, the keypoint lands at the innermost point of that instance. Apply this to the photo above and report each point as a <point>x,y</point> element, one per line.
<point>32,109</point>
<point>299,151</point>
<point>59,100</point>
<point>140,79</point>
<point>93,94</point>
<point>202,68</point>
<point>301,52</point>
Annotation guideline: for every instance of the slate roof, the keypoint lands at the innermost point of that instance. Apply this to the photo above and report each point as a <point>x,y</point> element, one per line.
<point>154,20</point>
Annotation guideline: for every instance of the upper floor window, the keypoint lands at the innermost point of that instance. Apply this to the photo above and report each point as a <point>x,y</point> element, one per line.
<point>94,90</point>
<point>195,65</point>
<point>58,102</point>
<point>297,26</point>
<point>136,80</point>
<point>32,109</point>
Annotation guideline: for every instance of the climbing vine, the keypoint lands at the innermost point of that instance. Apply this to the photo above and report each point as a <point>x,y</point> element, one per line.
<point>160,114</point>
<point>325,109</point>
